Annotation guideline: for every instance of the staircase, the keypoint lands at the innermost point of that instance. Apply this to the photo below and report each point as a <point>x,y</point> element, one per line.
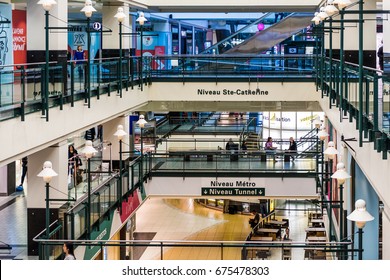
<point>252,141</point>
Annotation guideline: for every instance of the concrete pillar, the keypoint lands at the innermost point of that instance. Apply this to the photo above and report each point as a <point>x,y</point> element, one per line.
<point>351,36</point>
<point>36,200</point>
<point>109,129</point>
<point>58,39</point>
<point>111,42</point>
<point>8,179</point>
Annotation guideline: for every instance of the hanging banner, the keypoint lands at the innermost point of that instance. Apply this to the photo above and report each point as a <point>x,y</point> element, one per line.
<point>19,32</point>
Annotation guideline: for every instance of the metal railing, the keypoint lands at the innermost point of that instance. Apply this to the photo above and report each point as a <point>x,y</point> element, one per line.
<point>368,103</point>
<point>22,86</point>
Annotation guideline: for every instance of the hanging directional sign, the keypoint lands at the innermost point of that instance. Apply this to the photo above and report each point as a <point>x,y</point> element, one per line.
<point>97,25</point>
<point>234,191</point>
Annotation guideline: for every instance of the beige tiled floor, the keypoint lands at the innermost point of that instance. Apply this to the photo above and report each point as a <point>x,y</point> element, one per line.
<point>184,219</point>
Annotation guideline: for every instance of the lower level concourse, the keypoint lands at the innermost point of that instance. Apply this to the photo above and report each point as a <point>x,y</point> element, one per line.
<point>185,219</point>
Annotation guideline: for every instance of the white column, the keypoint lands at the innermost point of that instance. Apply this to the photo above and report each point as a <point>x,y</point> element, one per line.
<point>386,27</point>
<point>109,129</point>
<point>111,41</point>
<point>58,155</point>
<point>351,32</point>
<point>58,39</point>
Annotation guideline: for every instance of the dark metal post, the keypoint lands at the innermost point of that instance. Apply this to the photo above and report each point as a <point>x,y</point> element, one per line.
<point>88,70</point>
<point>341,222</point>
<point>341,62</point>
<point>322,66</point>
<point>330,86</point>
<point>47,212</point>
<point>360,120</point>
<point>120,59</point>
<point>330,200</point>
<point>360,233</point>
<point>142,62</point>
<point>376,102</point>
<point>322,170</point>
<point>142,161</point>
<point>46,104</point>
<point>47,222</point>
<point>89,201</point>
<point>120,176</point>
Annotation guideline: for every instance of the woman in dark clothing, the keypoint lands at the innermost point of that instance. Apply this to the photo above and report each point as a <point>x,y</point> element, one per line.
<point>292,148</point>
<point>73,158</point>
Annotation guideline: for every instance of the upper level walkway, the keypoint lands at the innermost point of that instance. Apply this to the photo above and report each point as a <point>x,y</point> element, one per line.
<point>26,104</point>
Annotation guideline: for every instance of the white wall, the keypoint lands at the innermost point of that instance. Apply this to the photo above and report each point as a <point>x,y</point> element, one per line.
<point>36,26</point>
<point>373,166</point>
<point>277,91</point>
<point>35,133</point>
<point>191,187</point>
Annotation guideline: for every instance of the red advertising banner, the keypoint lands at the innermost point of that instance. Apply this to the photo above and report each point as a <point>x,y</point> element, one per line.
<point>19,36</point>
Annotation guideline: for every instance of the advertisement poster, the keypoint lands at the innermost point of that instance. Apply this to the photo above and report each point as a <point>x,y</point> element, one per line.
<point>6,54</point>
<point>19,32</point>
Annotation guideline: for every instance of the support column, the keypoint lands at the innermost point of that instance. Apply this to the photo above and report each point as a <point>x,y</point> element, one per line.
<point>36,200</point>
<point>8,179</point>
<point>58,39</point>
<point>110,44</point>
<point>109,129</point>
<point>351,33</point>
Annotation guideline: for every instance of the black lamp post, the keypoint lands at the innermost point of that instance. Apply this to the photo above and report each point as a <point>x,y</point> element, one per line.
<point>88,152</point>
<point>141,20</point>
<point>120,133</point>
<point>88,10</point>
<point>322,135</point>
<point>120,16</point>
<point>47,173</point>
<point>47,5</point>
<point>141,123</point>
<point>331,152</point>
<point>341,176</point>
<point>361,217</point>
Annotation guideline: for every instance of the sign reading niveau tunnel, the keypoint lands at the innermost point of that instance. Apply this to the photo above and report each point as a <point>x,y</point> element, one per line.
<point>234,191</point>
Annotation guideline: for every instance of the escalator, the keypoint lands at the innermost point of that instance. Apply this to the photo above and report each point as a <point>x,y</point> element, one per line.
<point>249,40</point>
<point>275,34</point>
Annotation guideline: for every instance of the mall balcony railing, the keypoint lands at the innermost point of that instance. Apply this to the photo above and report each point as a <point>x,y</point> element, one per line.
<point>222,163</point>
<point>167,145</point>
<point>105,196</point>
<point>222,249</point>
<point>375,100</point>
<point>220,67</point>
<point>104,200</point>
<point>22,86</point>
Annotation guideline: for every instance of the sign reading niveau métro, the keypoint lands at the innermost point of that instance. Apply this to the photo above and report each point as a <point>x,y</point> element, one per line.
<point>234,191</point>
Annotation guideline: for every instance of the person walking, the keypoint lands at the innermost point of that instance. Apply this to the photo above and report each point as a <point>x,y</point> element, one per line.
<point>68,251</point>
<point>24,173</point>
<point>380,57</point>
